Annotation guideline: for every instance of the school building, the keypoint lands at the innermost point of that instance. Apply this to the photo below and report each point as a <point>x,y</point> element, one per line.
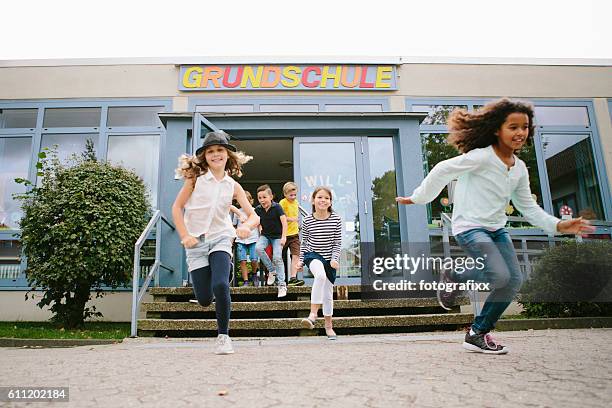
<point>369,128</point>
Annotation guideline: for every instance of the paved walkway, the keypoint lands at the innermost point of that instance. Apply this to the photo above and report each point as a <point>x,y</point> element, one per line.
<point>551,368</point>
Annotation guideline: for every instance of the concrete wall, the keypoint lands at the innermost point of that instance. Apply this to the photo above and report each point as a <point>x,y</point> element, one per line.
<point>116,307</point>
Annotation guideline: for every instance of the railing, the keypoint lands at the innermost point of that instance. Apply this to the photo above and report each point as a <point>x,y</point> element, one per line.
<point>137,295</point>
<point>525,253</point>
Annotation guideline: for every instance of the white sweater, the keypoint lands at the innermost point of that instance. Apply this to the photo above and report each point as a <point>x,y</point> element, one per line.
<point>484,188</point>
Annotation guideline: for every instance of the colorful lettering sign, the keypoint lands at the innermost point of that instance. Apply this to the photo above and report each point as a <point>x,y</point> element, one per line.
<point>288,77</point>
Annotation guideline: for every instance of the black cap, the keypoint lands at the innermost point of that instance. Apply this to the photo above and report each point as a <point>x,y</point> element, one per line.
<point>216,138</point>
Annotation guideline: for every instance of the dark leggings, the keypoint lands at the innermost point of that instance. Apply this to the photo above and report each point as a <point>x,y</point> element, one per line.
<point>214,279</point>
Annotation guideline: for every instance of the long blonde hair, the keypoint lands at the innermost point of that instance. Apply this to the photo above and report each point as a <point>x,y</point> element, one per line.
<point>191,167</point>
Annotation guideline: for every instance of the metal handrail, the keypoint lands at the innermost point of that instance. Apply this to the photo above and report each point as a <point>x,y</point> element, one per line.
<point>137,295</point>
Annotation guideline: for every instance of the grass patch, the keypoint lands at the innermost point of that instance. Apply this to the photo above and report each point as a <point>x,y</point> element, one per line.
<point>47,330</point>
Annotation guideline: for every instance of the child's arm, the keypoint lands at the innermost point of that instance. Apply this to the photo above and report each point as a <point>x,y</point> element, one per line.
<point>241,216</point>
<point>283,220</point>
<point>524,202</point>
<point>441,175</point>
<point>337,237</point>
<point>177,213</point>
<point>244,230</point>
<point>303,244</point>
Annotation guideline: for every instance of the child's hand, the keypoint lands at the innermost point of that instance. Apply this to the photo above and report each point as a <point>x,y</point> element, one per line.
<point>243,217</point>
<point>283,241</point>
<point>189,241</point>
<point>404,200</point>
<point>243,231</point>
<point>576,226</point>
<point>334,264</point>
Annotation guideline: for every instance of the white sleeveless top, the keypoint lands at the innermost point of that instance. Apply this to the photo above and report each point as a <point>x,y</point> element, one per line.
<point>207,210</point>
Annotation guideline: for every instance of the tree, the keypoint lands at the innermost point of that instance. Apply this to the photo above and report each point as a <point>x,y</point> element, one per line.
<point>78,231</point>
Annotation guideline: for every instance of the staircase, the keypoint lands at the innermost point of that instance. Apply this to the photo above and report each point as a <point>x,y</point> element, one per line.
<point>256,311</point>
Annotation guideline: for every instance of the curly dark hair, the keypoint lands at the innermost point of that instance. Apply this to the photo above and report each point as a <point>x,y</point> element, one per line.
<point>472,130</point>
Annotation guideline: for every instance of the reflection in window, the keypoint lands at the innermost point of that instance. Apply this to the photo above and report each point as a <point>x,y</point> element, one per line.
<point>134,116</point>
<point>10,259</point>
<point>572,175</point>
<point>18,118</point>
<point>145,164</point>
<point>435,150</point>
<point>436,114</point>
<point>561,116</point>
<point>72,117</point>
<point>384,190</point>
<point>14,163</point>
<point>68,144</point>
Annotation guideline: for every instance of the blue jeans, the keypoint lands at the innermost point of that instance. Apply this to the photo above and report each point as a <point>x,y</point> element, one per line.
<point>501,270</point>
<point>276,264</point>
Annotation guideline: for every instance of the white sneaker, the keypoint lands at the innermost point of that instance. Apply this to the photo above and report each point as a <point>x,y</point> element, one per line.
<point>282,290</point>
<point>224,345</point>
<point>271,279</point>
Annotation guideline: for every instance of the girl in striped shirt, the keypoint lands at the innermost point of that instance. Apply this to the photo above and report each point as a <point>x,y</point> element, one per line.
<point>320,251</point>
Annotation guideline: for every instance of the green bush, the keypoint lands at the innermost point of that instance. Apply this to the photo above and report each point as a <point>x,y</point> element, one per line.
<point>571,279</point>
<point>78,231</point>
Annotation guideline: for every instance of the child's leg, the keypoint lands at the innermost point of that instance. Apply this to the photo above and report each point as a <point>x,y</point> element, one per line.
<point>506,282</point>
<point>260,249</point>
<point>244,271</point>
<point>220,266</point>
<point>501,271</point>
<point>202,285</point>
<point>277,258</point>
<point>317,295</point>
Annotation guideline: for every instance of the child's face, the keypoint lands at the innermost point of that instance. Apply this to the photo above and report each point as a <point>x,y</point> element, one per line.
<point>322,200</point>
<point>514,131</point>
<point>216,157</point>
<point>291,195</point>
<point>264,198</point>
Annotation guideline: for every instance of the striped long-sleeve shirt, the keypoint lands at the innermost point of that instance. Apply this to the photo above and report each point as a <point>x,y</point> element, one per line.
<point>322,236</point>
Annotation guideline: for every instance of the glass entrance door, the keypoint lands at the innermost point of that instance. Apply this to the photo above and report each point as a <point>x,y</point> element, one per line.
<point>336,163</point>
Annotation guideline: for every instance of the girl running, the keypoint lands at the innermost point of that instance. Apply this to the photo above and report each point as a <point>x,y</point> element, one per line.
<point>489,175</point>
<point>200,213</point>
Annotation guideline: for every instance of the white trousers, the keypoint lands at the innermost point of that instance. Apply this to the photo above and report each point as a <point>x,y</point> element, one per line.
<point>322,288</point>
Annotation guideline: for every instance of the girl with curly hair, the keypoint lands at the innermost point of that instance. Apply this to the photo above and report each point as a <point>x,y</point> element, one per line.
<point>200,213</point>
<point>489,175</point>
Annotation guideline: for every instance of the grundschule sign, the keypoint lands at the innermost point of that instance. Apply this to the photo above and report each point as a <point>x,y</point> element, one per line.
<point>287,77</point>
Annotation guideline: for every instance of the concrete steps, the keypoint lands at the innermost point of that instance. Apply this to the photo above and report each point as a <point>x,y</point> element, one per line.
<point>258,312</point>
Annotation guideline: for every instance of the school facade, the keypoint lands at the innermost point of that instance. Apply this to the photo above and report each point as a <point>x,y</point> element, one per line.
<point>369,128</point>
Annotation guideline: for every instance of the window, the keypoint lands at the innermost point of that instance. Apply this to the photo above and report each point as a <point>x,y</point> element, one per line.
<point>384,190</point>
<point>353,108</point>
<point>68,144</point>
<point>435,150</point>
<point>225,108</point>
<point>572,175</point>
<point>145,164</point>
<point>289,108</point>
<point>436,114</point>
<point>15,155</point>
<point>72,117</point>
<point>134,116</point>
<point>18,118</point>
<point>561,116</point>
